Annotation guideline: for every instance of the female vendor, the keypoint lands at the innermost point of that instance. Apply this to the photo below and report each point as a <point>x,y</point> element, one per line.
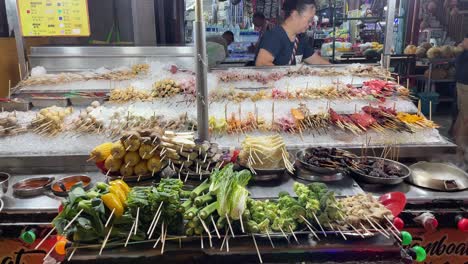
<point>286,44</point>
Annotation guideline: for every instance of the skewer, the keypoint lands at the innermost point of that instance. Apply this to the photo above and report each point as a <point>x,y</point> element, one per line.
<point>164,240</point>
<point>294,235</point>
<point>216,228</point>
<point>365,229</point>
<point>50,251</point>
<point>224,240</point>
<point>256,247</point>
<point>155,224</point>
<point>72,253</point>
<point>321,227</point>
<point>230,226</point>
<point>107,174</point>
<point>136,220</point>
<point>110,217</point>
<point>381,227</point>
<point>129,234</point>
<point>157,242</point>
<point>339,230</point>
<point>378,230</point>
<point>393,232</point>
<point>201,241</point>
<point>312,231</point>
<point>105,241</point>
<point>284,234</point>
<point>242,224</point>
<point>73,220</point>
<point>269,238</point>
<point>391,223</point>
<point>205,227</point>
<point>42,241</point>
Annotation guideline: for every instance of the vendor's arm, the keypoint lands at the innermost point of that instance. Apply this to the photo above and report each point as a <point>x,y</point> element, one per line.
<point>310,56</point>
<point>316,59</point>
<point>268,47</point>
<point>264,58</point>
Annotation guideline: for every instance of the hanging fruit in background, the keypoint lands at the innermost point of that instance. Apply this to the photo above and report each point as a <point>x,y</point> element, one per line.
<point>410,50</point>
<point>434,53</point>
<point>426,45</point>
<point>446,52</point>
<point>421,52</point>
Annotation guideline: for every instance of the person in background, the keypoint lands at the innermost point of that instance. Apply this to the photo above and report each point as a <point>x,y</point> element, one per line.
<point>225,40</point>
<point>461,124</point>
<point>286,44</point>
<point>261,25</point>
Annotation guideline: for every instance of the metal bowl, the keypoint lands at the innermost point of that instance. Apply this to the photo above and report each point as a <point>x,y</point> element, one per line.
<point>68,182</point>
<point>4,178</point>
<point>438,176</point>
<point>321,170</point>
<point>32,186</point>
<point>358,176</point>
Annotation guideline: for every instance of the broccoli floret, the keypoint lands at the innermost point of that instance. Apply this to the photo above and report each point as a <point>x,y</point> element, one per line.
<point>282,194</point>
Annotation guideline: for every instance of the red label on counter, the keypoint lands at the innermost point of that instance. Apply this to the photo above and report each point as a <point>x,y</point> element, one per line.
<point>444,246</point>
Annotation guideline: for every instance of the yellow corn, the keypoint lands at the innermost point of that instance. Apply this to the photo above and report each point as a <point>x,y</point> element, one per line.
<point>101,152</point>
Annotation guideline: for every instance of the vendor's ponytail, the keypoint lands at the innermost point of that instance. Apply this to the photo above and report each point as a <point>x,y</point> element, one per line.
<point>299,5</point>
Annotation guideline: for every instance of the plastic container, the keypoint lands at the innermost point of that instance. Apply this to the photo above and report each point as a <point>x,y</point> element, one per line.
<point>426,98</point>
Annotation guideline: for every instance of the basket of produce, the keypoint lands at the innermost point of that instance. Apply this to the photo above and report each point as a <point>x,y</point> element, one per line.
<point>325,160</point>
<point>376,170</point>
<point>265,155</point>
<point>136,156</point>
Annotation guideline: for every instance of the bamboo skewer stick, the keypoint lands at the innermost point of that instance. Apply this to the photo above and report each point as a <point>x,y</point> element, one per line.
<point>42,241</point>
<point>381,227</point>
<point>258,251</point>
<point>50,251</point>
<point>129,234</point>
<point>391,223</point>
<point>154,218</point>
<point>230,226</point>
<point>242,224</point>
<point>136,220</point>
<point>110,217</point>
<point>164,238</point>
<point>284,234</point>
<point>201,241</point>
<point>393,232</point>
<point>294,235</point>
<point>224,240</point>
<point>321,227</point>
<point>105,241</point>
<point>157,242</point>
<point>215,228</point>
<point>73,220</point>
<point>365,229</point>
<point>205,227</point>
<point>378,230</point>
<point>269,238</point>
<point>72,253</point>
<point>341,232</point>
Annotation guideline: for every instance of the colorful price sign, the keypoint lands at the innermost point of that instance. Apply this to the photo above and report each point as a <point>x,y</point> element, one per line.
<point>54,18</point>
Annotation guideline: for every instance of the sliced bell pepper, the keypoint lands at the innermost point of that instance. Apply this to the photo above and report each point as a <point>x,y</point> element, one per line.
<point>119,193</point>
<point>123,185</point>
<point>112,202</point>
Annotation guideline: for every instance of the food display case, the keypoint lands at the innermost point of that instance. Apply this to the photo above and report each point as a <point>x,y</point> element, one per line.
<point>117,161</point>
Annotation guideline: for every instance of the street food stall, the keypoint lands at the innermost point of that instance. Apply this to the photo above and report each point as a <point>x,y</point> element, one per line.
<point>142,154</point>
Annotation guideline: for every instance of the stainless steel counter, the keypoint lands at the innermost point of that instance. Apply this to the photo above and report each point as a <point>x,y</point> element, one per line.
<point>49,203</point>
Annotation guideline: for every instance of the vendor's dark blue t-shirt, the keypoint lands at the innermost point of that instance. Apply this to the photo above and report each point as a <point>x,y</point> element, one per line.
<point>277,42</point>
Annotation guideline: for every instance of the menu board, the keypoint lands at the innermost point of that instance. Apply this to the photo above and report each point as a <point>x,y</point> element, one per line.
<point>54,18</point>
